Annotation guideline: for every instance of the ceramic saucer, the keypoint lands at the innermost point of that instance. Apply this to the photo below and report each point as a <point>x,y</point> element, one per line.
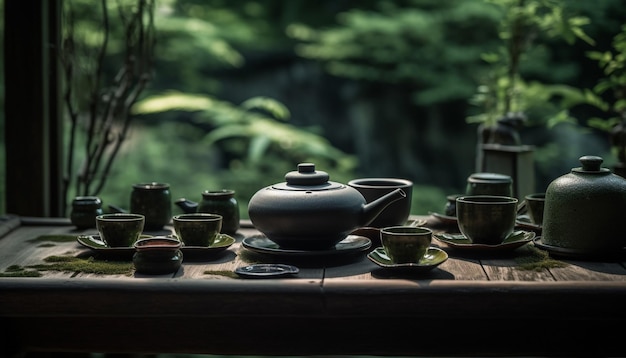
<point>433,258</point>
<point>445,218</point>
<point>266,270</point>
<point>578,253</point>
<point>95,243</point>
<point>351,244</point>
<point>459,241</point>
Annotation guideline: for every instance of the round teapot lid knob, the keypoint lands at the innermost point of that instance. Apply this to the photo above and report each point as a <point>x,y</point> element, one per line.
<point>306,168</point>
<point>306,175</point>
<point>591,163</point>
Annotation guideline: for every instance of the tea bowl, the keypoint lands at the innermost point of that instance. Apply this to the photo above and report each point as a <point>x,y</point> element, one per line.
<point>120,229</point>
<point>405,244</point>
<point>535,203</point>
<point>396,213</point>
<point>197,229</point>
<point>486,219</point>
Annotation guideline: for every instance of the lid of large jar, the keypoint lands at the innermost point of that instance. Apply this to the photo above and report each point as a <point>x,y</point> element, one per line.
<point>489,178</point>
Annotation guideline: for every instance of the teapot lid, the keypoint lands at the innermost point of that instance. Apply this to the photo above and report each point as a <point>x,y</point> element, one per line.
<point>591,164</point>
<point>307,178</point>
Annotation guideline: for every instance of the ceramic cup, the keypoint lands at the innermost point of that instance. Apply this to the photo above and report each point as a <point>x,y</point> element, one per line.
<point>535,203</point>
<point>199,229</point>
<point>120,229</point>
<point>486,219</point>
<point>405,244</point>
<point>396,213</point>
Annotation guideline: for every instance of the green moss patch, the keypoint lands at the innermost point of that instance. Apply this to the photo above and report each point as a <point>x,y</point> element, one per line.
<point>89,265</point>
<point>537,260</point>
<point>19,271</point>
<point>224,273</point>
<point>55,238</point>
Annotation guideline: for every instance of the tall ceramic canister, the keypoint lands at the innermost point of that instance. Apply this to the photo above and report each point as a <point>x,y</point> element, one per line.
<point>585,210</point>
<point>154,201</point>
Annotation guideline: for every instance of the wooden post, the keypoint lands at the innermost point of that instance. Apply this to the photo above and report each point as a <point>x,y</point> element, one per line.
<point>516,161</point>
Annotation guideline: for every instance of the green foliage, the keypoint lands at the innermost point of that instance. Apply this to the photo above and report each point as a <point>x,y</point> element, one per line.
<point>524,24</point>
<point>431,46</point>
<point>259,121</point>
<point>613,85</point>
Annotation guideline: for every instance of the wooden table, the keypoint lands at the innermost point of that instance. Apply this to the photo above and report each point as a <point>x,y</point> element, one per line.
<point>472,304</point>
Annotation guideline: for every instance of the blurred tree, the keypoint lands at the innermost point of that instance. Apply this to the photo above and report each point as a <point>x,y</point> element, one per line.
<point>98,105</point>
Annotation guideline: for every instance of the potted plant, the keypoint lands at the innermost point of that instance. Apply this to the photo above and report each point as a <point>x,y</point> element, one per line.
<point>505,97</point>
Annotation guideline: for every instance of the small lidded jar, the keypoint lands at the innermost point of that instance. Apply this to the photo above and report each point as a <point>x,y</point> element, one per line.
<point>84,211</point>
<point>221,202</point>
<point>489,184</point>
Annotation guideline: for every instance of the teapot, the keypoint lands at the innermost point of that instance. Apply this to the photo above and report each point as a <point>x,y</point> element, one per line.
<point>308,211</point>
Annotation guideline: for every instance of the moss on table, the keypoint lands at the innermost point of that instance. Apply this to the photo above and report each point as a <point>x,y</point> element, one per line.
<point>88,265</point>
<point>537,260</point>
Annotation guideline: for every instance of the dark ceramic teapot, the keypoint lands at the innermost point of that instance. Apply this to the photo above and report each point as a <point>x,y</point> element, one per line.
<point>310,212</point>
<point>585,211</point>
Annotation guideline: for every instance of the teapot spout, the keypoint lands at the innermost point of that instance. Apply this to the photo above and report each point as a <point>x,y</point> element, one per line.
<point>188,206</point>
<point>373,209</point>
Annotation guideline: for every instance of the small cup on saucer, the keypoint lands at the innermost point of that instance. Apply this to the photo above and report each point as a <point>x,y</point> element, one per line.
<point>197,229</point>
<point>486,219</point>
<point>120,229</point>
<point>535,203</point>
<point>405,244</point>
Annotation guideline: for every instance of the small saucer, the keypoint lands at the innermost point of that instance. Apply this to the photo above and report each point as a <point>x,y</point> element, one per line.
<point>266,270</point>
<point>433,258</point>
<point>579,254</point>
<point>351,244</point>
<point>95,243</point>
<point>445,218</point>
<point>459,241</point>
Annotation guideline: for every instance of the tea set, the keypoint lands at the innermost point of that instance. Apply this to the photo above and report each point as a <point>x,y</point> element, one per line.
<point>308,215</point>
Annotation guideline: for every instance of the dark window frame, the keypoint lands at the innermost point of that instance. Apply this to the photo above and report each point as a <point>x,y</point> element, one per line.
<point>33,120</point>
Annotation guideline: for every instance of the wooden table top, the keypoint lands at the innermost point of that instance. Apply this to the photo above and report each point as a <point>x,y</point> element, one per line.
<point>336,303</point>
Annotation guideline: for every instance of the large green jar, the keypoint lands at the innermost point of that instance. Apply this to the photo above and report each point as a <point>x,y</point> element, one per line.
<point>585,210</point>
<point>221,202</point>
<point>154,201</point>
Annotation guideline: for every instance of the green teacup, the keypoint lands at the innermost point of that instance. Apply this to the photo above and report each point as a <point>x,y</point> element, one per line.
<point>405,244</point>
<point>535,203</point>
<point>199,229</point>
<point>486,219</point>
<point>119,229</point>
